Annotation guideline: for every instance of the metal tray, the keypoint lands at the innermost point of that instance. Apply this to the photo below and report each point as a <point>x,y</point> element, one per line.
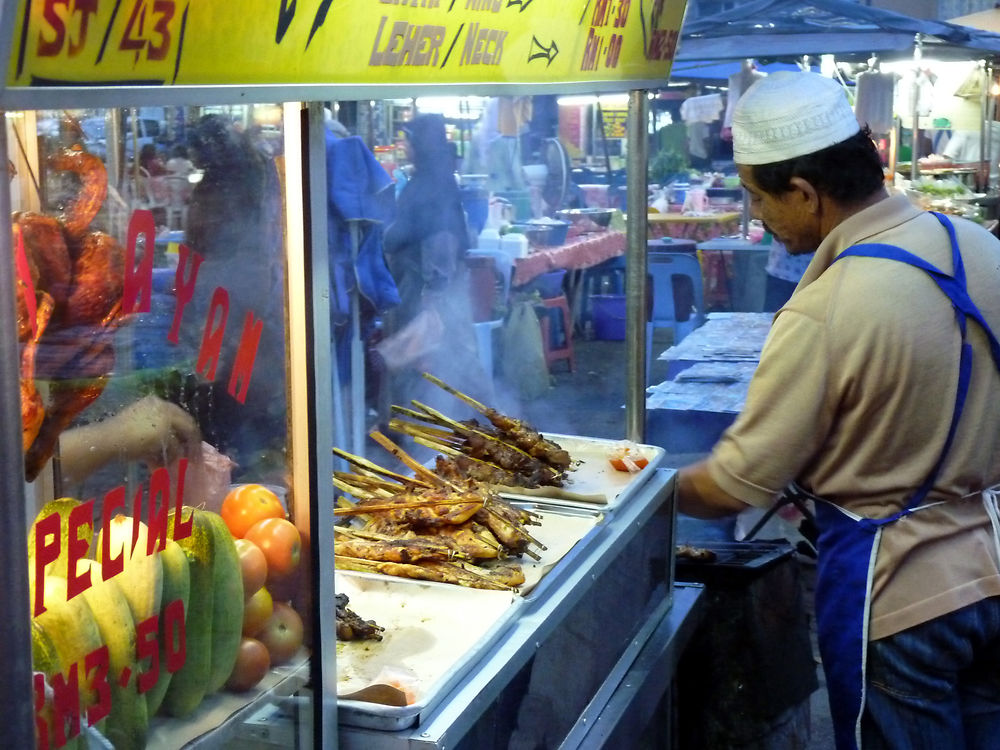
<point>735,562</point>
<point>434,632</point>
<point>594,483</point>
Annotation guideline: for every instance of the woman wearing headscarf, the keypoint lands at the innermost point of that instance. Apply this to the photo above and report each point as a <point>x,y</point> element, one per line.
<point>425,247</point>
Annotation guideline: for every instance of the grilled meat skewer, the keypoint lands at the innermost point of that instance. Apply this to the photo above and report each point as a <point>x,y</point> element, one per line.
<point>523,434</point>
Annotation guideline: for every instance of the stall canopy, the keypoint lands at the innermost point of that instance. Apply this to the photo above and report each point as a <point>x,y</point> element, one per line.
<point>789,29</point>
<point>720,70</point>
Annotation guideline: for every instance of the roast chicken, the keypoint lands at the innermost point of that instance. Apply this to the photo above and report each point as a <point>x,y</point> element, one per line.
<point>69,292</point>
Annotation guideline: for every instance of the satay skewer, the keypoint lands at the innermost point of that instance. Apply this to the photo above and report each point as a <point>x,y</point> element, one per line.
<point>463,428</point>
<point>362,480</point>
<point>519,431</point>
<point>360,492</point>
<point>411,462</point>
<point>385,507</point>
<point>414,414</point>
<point>438,431</point>
<point>442,572</point>
<point>370,466</point>
<point>414,429</point>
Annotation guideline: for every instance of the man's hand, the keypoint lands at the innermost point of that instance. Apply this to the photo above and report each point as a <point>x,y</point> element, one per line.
<point>150,430</point>
<point>155,431</point>
<point>699,496</point>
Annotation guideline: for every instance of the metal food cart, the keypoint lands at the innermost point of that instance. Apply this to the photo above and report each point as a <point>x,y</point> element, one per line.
<point>586,656</point>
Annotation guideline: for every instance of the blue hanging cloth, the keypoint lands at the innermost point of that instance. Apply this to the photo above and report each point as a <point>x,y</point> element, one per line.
<point>358,189</point>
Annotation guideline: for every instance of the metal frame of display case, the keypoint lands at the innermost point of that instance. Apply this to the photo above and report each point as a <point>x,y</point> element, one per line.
<point>309,405</point>
<point>642,657</point>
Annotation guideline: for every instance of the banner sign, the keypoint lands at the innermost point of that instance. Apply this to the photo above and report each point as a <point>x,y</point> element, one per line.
<point>309,42</point>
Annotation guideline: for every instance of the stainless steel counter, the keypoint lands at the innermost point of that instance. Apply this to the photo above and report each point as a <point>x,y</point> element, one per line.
<point>589,656</point>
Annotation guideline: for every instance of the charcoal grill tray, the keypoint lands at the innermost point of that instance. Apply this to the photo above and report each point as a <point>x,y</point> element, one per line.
<point>735,562</point>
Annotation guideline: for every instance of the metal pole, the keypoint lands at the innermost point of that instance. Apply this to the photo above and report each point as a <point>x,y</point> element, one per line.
<point>357,352</point>
<point>16,716</point>
<point>327,426</point>
<point>635,266</point>
<point>915,128</point>
<point>991,113</point>
<point>985,130</point>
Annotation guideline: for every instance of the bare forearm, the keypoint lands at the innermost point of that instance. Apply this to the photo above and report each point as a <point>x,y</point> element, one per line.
<point>699,496</point>
<point>83,450</point>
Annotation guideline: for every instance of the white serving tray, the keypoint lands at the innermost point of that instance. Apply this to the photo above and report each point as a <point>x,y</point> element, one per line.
<point>433,631</point>
<point>594,482</point>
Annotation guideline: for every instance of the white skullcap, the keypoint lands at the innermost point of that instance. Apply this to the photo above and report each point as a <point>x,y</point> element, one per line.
<point>790,114</point>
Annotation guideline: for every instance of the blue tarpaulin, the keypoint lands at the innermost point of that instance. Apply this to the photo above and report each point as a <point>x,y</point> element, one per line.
<point>720,70</point>
<point>785,30</point>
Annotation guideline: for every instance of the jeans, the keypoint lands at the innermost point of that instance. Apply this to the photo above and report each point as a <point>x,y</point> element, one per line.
<point>936,685</point>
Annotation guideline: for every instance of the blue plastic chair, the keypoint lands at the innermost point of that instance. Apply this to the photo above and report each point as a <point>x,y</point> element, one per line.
<point>607,277</point>
<point>663,269</point>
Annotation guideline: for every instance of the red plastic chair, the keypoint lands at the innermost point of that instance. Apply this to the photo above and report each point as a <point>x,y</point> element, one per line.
<point>565,352</point>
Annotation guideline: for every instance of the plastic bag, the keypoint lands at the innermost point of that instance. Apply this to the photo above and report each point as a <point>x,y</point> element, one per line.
<point>414,342</point>
<point>523,364</point>
<point>208,476</point>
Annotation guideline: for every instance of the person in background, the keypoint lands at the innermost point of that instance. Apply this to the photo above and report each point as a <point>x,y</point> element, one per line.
<point>179,164</point>
<point>784,271</point>
<point>235,221</point>
<point>151,161</point>
<point>425,247</point>
<point>875,397</point>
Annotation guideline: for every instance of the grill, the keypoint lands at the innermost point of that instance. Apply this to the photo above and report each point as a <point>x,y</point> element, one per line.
<point>734,563</point>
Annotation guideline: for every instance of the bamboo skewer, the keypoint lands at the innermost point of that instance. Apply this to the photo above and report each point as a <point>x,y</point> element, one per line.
<point>461,428</point>
<point>516,430</point>
<point>374,483</point>
<point>410,462</point>
<point>481,408</point>
<point>359,492</point>
<point>381,507</point>
<point>414,414</point>
<point>400,425</point>
<point>458,572</point>
<point>366,464</point>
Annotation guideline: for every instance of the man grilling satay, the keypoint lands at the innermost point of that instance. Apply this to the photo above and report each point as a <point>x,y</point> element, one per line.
<point>877,393</point>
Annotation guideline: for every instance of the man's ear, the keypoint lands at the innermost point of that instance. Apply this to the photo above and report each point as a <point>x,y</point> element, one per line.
<point>806,193</point>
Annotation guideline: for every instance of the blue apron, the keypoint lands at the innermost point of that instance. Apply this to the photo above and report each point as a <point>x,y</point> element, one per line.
<point>848,543</point>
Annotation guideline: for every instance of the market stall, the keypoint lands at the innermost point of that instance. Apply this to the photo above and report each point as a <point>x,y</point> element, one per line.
<point>850,33</point>
<point>216,321</point>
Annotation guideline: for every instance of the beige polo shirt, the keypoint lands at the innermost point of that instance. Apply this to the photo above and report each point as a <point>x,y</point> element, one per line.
<point>853,398</point>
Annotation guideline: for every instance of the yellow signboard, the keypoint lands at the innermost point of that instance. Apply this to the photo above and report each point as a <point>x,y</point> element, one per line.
<point>290,42</point>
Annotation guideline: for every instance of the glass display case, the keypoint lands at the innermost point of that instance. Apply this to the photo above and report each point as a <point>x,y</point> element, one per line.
<point>156,421</point>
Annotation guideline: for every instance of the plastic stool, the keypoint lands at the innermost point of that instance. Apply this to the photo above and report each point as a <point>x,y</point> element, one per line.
<point>607,277</point>
<point>553,354</point>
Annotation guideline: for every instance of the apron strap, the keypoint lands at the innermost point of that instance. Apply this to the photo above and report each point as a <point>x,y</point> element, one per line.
<point>993,511</point>
<point>955,288</point>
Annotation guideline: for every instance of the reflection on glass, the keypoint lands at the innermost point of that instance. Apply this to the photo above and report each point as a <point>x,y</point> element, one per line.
<point>150,299</point>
